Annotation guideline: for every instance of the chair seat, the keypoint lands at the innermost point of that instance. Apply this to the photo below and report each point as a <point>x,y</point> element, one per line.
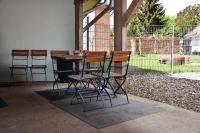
<point>85,77</point>
<point>18,67</point>
<point>38,66</point>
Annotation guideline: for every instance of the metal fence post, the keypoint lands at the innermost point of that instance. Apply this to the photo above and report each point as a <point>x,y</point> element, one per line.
<point>172,51</point>
<point>88,34</point>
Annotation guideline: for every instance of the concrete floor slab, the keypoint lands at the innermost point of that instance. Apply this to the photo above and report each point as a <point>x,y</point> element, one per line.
<point>28,112</point>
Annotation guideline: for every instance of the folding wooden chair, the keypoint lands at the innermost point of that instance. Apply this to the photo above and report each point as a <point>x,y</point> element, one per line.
<point>19,62</point>
<point>57,73</point>
<point>117,71</point>
<point>90,66</point>
<point>78,52</point>
<point>85,78</point>
<point>38,62</point>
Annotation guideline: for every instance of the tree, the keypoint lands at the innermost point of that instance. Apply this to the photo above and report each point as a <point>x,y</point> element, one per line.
<point>151,13</point>
<point>167,29</point>
<point>190,16</point>
<point>187,19</point>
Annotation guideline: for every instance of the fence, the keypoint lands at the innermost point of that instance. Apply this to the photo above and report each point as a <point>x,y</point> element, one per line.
<point>157,49</point>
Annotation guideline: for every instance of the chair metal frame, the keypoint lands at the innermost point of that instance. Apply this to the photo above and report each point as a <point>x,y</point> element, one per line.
<point>56,72</point>
<point>38,55</point>
<point>117,57</point>
<point>19,55</point>
<point>84,79</point>
<point>89,68</point>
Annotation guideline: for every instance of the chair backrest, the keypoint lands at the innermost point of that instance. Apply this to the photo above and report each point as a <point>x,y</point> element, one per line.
<point>39,56</point>
<point>120,57</point>
<point>59,52</point>
<point>97,57</point>
<point>39,53</point>
<point>55,53</point>
<point>20,52</point>
<point>20,55</point>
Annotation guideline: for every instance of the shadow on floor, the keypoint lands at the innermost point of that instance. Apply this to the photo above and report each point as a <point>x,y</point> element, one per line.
<point>3,103</point>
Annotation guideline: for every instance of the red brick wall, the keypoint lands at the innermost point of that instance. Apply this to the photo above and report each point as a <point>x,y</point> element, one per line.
<point>156,45</point>
<point>148,45</point>
<point>102,31</point>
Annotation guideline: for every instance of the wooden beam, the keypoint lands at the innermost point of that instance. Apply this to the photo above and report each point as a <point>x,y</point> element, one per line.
<point>78,24</point>
<point>131,11</point>
<point>120,7</point>
<point>120,34</point>
<point>79,1</point>
<point>100,15</point>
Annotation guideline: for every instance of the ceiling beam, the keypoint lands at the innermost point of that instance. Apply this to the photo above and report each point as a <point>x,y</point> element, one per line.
<point>99,16</point>
<point>131,11</point>
<point>120,7</point>
<point>78,24</point>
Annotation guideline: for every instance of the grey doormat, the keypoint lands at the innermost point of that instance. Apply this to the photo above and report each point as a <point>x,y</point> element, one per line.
<point>102,115</point>
<point>3,103</point>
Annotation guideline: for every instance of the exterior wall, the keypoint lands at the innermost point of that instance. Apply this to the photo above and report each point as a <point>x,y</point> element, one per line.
<point>195,44</point>
<point>148,45</point>
<point>102,31</point>
<point>157,46</point>
<point>34,24</point>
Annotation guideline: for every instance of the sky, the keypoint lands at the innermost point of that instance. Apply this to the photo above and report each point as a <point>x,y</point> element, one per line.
<point>172,7</point>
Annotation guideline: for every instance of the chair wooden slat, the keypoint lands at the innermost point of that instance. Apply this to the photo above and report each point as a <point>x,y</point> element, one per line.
<point>96,56</point>
<point>120,56</point>
<point>20,52</point>
<point>121,59</point>
<point>88,60</point>
<point>96,53</point>
<point>122,53</point>
<point>59,52</point>
<point>38,52</point>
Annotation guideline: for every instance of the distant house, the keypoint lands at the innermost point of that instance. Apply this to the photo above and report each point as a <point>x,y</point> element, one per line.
<point>192,41</point>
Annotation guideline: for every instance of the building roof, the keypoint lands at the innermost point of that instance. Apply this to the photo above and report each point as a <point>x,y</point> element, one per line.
<point>195,33</point>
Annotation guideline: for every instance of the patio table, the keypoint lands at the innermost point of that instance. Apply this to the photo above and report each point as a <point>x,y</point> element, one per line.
<point>65,63</point>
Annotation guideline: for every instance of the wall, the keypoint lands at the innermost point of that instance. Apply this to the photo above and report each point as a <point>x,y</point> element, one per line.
<point>102,31</point>
<point>148,45</point>
<point>34,24</point>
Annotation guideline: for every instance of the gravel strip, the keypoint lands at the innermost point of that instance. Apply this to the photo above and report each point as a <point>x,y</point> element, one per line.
<point>183,93</point>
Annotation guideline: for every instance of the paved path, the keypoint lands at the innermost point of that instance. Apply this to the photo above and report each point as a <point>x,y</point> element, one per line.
<point>187,75</point>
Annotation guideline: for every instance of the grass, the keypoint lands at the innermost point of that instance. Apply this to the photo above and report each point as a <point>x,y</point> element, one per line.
<point>150,63</point>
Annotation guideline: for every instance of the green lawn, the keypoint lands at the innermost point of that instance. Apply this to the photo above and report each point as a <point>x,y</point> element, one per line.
<point>150,62</point>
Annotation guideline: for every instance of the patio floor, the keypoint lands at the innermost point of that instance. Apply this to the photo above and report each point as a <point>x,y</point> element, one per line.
<point>29,112</point>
